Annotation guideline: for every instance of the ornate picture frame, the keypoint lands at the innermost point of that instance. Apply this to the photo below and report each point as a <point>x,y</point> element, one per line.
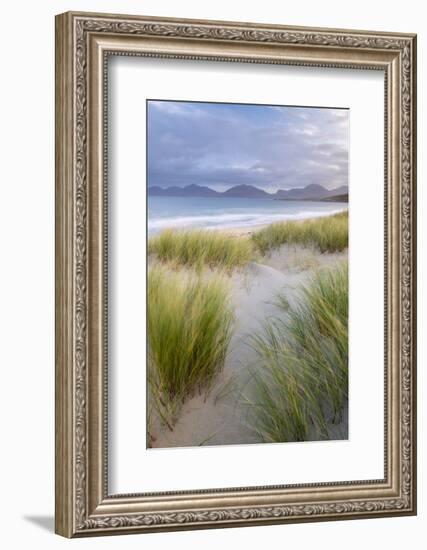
<point>84,42</point>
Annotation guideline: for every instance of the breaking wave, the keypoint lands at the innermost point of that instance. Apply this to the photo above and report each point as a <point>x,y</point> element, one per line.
<point>227,221</point>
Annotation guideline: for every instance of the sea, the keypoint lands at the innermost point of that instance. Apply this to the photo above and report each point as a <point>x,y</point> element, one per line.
<point>229,212</point>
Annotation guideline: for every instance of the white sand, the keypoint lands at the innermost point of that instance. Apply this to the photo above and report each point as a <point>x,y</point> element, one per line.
<point>221,417</point>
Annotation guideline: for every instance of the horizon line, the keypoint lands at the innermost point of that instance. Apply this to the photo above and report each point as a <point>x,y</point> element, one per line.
<point>245,185</point>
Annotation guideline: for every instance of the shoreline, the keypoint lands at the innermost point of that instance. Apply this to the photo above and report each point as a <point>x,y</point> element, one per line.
<point>247,230</point>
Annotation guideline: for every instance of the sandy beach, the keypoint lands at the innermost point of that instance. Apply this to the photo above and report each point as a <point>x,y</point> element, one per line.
<point>247,230</point>
<point>222,416</point>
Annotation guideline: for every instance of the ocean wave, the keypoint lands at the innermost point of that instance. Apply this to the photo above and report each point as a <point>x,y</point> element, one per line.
<point>227,221</point>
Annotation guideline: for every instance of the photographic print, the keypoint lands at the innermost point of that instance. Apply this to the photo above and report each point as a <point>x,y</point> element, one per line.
<point>247,294</point>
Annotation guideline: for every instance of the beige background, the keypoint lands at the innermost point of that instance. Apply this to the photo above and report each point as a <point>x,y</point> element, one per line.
<point>26,289</point>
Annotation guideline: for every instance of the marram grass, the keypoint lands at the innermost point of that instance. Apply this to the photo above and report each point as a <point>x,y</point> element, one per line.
<point>198,248</point>
<point>301,381</point>
<point>328,234</point>
<point>189,330</point>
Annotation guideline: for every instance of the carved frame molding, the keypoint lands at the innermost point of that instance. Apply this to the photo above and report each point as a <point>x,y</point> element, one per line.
<point>83,41</point>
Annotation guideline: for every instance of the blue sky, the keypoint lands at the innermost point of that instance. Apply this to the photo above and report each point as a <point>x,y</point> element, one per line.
<point>220,145</point>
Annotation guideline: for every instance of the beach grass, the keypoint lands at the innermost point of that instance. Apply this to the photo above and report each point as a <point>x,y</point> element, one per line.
<point>189,329</point>
<point>199,248</point>
<point>301,381</point>
<point>328,234</point>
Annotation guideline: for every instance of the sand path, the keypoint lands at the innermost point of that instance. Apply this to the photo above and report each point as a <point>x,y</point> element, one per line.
<point>221,417</point>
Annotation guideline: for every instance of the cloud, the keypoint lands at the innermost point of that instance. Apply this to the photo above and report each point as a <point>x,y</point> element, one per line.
<point>221,145</point>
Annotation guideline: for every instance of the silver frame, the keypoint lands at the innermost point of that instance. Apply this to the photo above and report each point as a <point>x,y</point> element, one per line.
<point>83,43</point>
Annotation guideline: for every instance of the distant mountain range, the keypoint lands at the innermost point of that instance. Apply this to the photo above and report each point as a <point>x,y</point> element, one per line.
<point>311,192</point>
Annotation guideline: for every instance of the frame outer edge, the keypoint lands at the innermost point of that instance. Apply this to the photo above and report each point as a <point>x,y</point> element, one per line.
<point>64,237</point>
<point>73,515</point>
<point>414,272</point>
<point>233,23</point>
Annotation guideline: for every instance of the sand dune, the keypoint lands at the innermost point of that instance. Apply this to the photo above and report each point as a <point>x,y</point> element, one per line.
<point>221,417</point>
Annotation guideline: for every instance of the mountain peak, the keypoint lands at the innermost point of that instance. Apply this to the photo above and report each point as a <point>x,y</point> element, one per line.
<point>313,186</point>
<point>246,191</point>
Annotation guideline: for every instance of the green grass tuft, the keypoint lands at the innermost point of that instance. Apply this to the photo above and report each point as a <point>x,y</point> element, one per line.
<point>328,234</point>
<point>301,382</point>
<point>197,248</point>
<point>189,329</point>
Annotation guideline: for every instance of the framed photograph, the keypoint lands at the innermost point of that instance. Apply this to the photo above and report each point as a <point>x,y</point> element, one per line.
<point>235,274</point>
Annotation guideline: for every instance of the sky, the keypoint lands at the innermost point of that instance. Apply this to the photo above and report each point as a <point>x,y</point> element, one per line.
<point>220,145</point>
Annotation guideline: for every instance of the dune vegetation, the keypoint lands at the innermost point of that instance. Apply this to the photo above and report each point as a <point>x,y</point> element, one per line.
<point>301,377</point>
<point>198,248</point>
<point>189,329</point>
<point>328,234</point>
<point>301,380</point>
